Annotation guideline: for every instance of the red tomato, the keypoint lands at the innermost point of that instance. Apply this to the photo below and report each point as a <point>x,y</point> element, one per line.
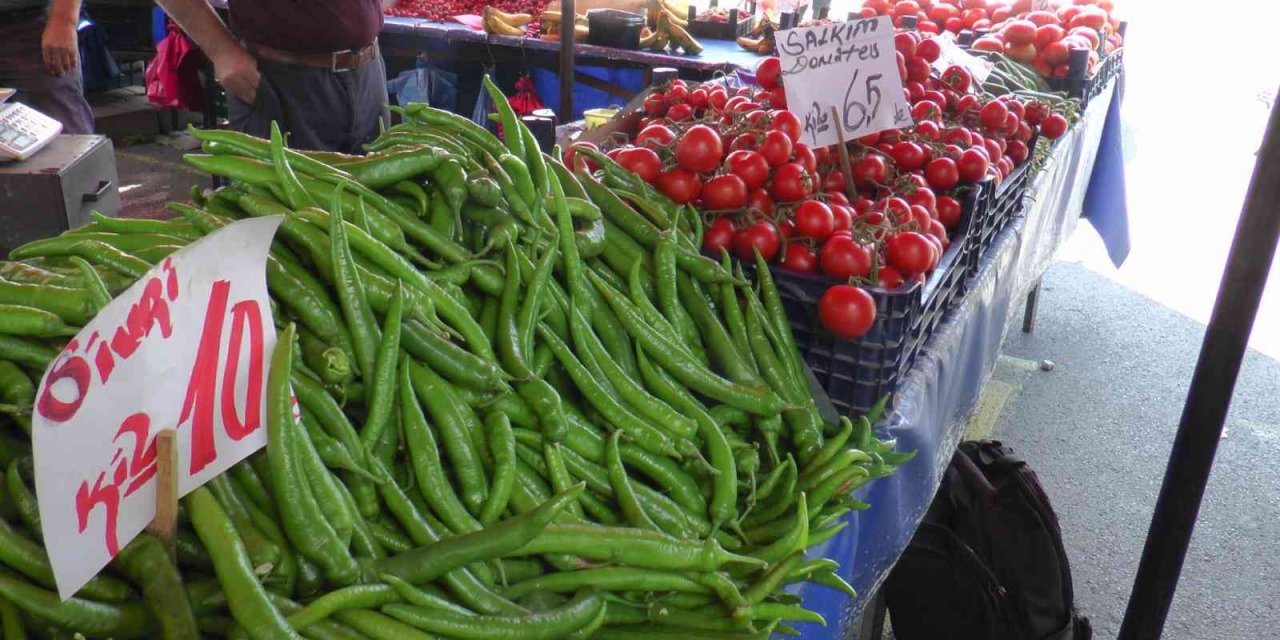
<point>1056,53</point>
<point>844,258</point>
<point>1091,17</point>
<point>842,215</point>
<point>699,98</point>
<point>905,8</point>
<point>988,43</point>
<point>920,216</point>
<point>759,200</point>
<point>769,72</point>
<point>814,219</point>
<point>928,130</point>
<point>681,185</point>
<point>678,93</point>
<point>957,78</point>
<point>750,166</point>
<point>870,171</point>
<point>791,182</point>
<point>570,155</point>
<point>1048,34</point>
<point>909,252</point>
<point>954,24</point>
<point>743,142</point>
<point>1017,151</point>
<point>724,192</point>
<point>1041,18</point>
<point>993,114</point>
<point>1053,126</point>
<point>889,278</point>
<point>699,149</point>
<point>786,122</point>
<point>776,147</point>
<point>847,311</point>
<point>972,166</point>
<point>761,236</point>
<point>680,112</point>
<point>929,49</point>
<point>655,136</point>
<point>1000,14</point>
<point>959,136</point>
<point>778,98</point>
<point>835,197</point>
<point>717,98</point>
<point>905,43</point>
<point>941,12</point>
<point>1020,32</point>
<point>924,197</point>
<point>655,104</point>
<point>994,149</point>
<point>918,69</point>
<point>804,155</point>
<point>798,257</point>
<point>642,161</point>
<point>926,110</point>
<point>949,211</point>
<point>718,236</point>
<point>942,174</point>
<point>1089,34</point>
<point>1024,53</point>
<point>834,181</point>
<point>909,156</point>
<point>967,103</point>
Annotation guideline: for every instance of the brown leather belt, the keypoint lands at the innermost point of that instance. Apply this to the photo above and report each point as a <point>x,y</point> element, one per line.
<point>336,61</point>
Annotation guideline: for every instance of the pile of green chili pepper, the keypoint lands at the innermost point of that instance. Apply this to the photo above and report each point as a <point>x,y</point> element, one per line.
<point>529,410</point>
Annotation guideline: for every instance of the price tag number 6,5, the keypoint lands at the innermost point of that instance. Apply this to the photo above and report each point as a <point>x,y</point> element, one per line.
<point>851,67</point>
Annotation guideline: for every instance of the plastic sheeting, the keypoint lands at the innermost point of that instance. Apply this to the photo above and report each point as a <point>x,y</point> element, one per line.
<point>938,394</point>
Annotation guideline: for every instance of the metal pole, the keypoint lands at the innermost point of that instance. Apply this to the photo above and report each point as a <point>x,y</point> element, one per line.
<point>1209,396</point>
<point>569,15</point>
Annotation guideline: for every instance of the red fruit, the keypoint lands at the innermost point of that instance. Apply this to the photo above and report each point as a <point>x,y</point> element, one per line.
<point>762,237</point>
<point>1017,152</point>
<point>909,252</point>
<point>776,147</point>
<point>909,156</point>
<point>1053,126</point>
<point>570,155</point>
<point>786,122</point>
<point>972,165</point>
<point>918,69</point>
<point>718,236</point>
<point>942,174</point>
<point>871,170</point>
<point>924,197</point>
<point>804,155</point>
<point>655,104</point>
<point>905,43</point>
<point>1048,34</point>
<point>929,49</point>
<point>993,115</point>
<point>681,185</point>
<point>1020,32</point>
<point>889,278</point>
<point>769,72</point>
<point>798,257</point>
<point>724,192</point>
<point>699,149</point>
<point>834,181</point>
<point>655,136</point>
<point>760,200</point>
<point>642,161</point>
<point>926,110</point>
<point>791,182</point>
<point>814,219</point>
<point>778,98</point>
<point>847,311</point>
<point>844,258</point>
<point>949,211</point>
<point>680,112</point>
<point>842,215</point>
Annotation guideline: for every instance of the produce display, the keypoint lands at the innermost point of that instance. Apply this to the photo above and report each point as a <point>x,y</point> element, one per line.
<point>738,156</point>
<point>526,407</point>
<point>445,10</point>
<point>1043,38</point>
<point>670,31</point>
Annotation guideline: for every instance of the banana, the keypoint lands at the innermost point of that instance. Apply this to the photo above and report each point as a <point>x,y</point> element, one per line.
<point>750,44</point>
<point>686,41</point>
<point>551,17</point>
<point>648,39</point>
<point>513,19</point>
<point>580,33</point>
<point>675,18</point>
<point>495,25</point>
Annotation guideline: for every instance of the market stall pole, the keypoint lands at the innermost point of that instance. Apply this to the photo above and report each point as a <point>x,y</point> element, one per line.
<point>1209,396</point>
<point>567,46</point>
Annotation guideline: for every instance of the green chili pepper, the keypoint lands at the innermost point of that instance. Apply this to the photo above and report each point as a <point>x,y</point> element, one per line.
<point>425,457</point>
<point>502,446</point>
<point>384,371</point>
<point>579,613</point>
<point>296,195</point>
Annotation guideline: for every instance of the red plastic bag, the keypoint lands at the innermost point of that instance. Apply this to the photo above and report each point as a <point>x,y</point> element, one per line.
<point>173,76</point>
<point>526,99</point>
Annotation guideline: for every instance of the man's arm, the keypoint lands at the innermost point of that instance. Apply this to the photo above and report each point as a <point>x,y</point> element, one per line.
<point>58,44</point>
<point>235,69</point>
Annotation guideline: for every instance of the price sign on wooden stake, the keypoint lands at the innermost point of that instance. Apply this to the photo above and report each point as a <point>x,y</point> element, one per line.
<point>184,349</point>
<point>851,66</point>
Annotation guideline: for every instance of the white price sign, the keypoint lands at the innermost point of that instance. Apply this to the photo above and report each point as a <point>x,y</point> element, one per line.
<point>185,348</point>
<point>952,55</point>
<point>851,66</point>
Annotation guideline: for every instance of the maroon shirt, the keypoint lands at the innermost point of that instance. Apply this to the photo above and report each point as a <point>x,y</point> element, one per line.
<point>307,26</point>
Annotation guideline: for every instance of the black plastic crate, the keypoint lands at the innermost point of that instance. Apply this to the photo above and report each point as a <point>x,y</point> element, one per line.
<point>1077,85</point>
<point>857,373</point>
<point>739,23</point>
<point>997,207</point>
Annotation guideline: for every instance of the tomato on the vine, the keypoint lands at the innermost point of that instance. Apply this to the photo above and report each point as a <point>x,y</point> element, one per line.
<point>847,311</point>
<point>909,156</point>
<point>642,161</point>
<point>1053,126</point>
<point>680,112</point>
<point>909,252</point>
<point>699,149</point>
<point>655,136</point>
<point>750,166</point>
<point>727,191</point>
<point>889,278</point>
<point>791,182</point>
<point>972,165</point>
<point>786,122</point>
<point>775,147</point>
<point>681,185</point>
<point>760,200</point>
<point>769,72</point>
<point>801,153</point>
<point>844,258</point>
<point>993,115</point>
<point>761,236</point>
<point>798,257</point>
<point>814,219</point>
<point>871,170</point>
<point>949,211</point>
<point>942,174</point>
<point>719,235</point>
<point>571,155</point>
<point>655,104</point>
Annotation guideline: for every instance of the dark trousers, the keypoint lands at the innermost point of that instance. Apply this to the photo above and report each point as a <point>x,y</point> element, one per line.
<point>320,110</point>
<point>22,67</point>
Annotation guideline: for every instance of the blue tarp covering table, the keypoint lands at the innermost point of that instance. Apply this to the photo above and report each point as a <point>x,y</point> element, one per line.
<point>938,394</point>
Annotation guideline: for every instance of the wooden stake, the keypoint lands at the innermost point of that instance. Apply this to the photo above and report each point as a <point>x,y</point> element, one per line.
<point>849,191</point>
<point>165,524</point>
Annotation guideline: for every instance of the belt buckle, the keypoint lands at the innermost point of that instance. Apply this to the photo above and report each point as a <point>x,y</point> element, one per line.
<point>333,60</point>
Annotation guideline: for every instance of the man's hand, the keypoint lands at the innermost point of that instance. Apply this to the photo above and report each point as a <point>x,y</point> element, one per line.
<point>237,71</point>
<point>59,45</point>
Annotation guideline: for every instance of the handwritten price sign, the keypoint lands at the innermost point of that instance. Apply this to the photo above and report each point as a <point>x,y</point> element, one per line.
<point>184,348</point>
<point>851,66</point>
<point>952,54</point>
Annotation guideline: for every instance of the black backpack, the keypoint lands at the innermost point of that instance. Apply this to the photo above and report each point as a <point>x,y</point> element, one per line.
<point>987,562</point>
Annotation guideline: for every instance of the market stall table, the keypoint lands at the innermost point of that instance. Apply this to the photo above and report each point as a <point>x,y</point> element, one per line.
<point>930,409</point>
